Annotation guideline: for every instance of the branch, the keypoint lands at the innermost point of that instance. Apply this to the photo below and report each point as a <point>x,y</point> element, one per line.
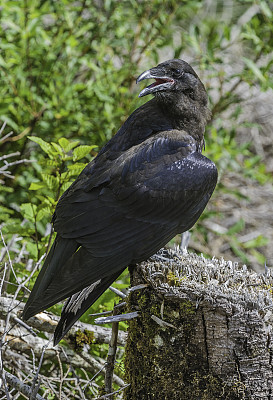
<point>21,339</point>
<point>5,156</point>
<point>111,357</point>
<point>19,385</point>
<point>47,322</point>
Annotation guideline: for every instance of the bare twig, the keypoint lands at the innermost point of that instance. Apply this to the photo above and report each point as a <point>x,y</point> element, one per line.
<point>7,252</point>
<point>2,128</point>
<point>116,318</point>
<point>34,387</point>
<point>2,284</point>
<point>61,374</point>
<point>118,292</point>
<point>111,358</point>
<point>47,322</point>
<point>76,377</point>
<point>3,380</point>
<point>7,246</point>
<point>5,156</point>
<point>3,139</point>
<point>106,396</point>
<point>20,386</point>
<point>7,165</point>
<point>20,322</point>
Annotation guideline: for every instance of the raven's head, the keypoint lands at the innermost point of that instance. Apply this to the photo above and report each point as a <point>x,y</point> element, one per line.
<point>171,78</point>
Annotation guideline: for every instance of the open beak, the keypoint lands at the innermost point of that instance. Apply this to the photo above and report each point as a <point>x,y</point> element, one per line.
<point>161,82</point>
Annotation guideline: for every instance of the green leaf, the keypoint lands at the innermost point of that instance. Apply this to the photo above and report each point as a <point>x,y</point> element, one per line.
<point>46,200</point>
<point>44,212</point>
<point>238,227</point>
<point>46,147</point>
<point>36,186</point>
<point>81,152</point>
<point>236,249</point>
<point>259,241</point>
<point>66,185</point>
<point>266,10</point>
<point>6,189</point>
<point>58,148</point>
<point>29,210</point>
<point>67,145</point>
<point>77,167</point>
<point>51,181</point>
<point>6,210</point>
<point>32,249</point>
<point>253,67</point>
<point>259,256</point>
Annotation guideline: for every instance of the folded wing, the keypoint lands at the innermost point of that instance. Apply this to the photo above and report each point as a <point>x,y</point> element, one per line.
<point>132,208</point>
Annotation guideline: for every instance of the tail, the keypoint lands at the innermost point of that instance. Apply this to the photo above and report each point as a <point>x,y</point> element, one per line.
<point>66,272</point>
<point>60,252</point>
<point>79,302</point>
<point>74,273</point>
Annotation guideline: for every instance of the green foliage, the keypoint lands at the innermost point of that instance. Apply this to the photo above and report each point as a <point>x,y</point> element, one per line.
<point>56,170</point>
<point>59,64</point>
<point>67,70</point>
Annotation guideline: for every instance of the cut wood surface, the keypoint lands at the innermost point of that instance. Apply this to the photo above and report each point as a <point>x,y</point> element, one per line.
<point>204,330</point>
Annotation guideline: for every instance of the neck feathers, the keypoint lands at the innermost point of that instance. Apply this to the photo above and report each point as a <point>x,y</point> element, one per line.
<point>187,113</point>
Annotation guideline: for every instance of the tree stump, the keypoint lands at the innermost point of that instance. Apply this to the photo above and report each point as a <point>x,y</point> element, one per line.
<point>204,330</point>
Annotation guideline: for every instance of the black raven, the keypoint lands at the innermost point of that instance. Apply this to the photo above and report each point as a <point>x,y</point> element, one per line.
<point>147,184</point>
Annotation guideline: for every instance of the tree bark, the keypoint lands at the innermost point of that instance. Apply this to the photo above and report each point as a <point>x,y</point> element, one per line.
<point>204,330</point>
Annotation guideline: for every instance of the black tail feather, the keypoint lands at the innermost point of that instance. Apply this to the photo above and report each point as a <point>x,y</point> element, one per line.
<point>79,302</point>
<point>60,252</point>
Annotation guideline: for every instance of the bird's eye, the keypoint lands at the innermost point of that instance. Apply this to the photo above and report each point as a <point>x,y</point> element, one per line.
<point>177,71</point>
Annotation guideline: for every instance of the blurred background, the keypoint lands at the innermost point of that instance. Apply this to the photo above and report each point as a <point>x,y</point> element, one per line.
<point>68,71</point>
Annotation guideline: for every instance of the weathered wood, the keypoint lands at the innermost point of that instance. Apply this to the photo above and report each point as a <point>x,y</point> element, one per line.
<point>22,344</point>
<point>20,386</point>
<point>204,330</point>
<point>47,322</point>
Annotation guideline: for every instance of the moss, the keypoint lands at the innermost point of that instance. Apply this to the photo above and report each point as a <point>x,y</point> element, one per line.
<point>101,391</point>
<point>174,280</point>
<point>163,362</point>
<point>266,287</point>
<point>208,387</point>
<point>83,337</point>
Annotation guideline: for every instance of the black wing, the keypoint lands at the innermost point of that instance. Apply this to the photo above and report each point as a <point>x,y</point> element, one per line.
<point>143,198</point>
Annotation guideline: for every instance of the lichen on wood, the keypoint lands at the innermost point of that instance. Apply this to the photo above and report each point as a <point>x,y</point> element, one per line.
<point>204,330</point>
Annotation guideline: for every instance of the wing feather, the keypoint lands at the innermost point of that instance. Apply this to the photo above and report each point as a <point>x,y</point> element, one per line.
<point>126,216</point>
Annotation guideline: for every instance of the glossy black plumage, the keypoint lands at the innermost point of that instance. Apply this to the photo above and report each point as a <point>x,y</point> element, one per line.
<point>149,183</point>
